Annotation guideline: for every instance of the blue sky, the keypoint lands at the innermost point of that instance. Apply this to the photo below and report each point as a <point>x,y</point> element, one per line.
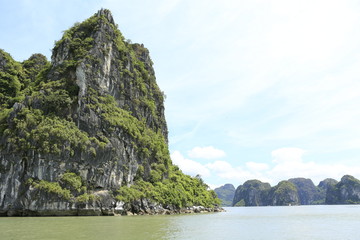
<point>266,89</point>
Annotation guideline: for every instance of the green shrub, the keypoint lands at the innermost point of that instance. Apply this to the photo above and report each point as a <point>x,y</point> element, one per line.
<point>72,181</point>
<point>54,188</point>
<point>179,190</point>
<point>240,203</point>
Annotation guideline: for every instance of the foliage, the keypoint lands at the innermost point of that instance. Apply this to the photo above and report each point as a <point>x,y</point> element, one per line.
<point>253,192</point>
<point>179,190</point>
<point>152,143</point>
<point>240,203</point>
<point>344,192</point>
<point>69,187</point>
<point>285,193</point>
<point>12,77</point>
<point>78,38</point>
<point>284,187</point>
<point>48,134</point>
<point>84,198</point>
<point>52,187</point>
<point>4,114</point>
<point>33,66</point>
<point>54,97</point>
<point>72,180</point>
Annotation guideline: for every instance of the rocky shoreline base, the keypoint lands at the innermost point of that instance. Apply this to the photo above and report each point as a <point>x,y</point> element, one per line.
<point>104,212</point>
<point>100,208</point>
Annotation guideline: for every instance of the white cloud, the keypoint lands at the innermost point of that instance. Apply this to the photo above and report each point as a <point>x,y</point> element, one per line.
<point>287,163</point>
<point>188,166</point>
<point>236,175</point>
<point>301,55</point>
<point>256,167</point>
<point>287,155</point>
<point>206,152</point>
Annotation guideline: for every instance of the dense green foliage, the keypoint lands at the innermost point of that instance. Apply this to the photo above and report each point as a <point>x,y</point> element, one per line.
<point>152,143</point>
<point>178,190</point>
<point>52,187</point>
<point>12,77</point>
<point>69,187</point>
<point>78,38</point>
<point>31,129</point>
<point>33,66</point>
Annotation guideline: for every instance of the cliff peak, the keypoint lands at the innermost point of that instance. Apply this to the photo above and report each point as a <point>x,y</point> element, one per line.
<point>107,14</point>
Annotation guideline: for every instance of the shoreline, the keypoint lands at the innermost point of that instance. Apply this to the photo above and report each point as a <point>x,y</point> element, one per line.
<point>107,212</point>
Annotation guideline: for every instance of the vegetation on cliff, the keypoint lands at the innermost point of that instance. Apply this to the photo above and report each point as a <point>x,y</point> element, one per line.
<point>347,191</point>
<point>251,193</point>
<point>307,191</point>
<point>96,114</point>
<point>298,191</point>
<point>225,194</point>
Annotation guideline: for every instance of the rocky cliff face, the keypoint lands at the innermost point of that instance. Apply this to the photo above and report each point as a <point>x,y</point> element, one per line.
<point>78,134</point>
<point>323,188</point>
<point>324,184</point>
<point>257,193</point>
<point>308,192</point>
<point>347,191</point>
<point>298,191</point>
<point>283,194</point>
<point>252,193</point>
<point>225,194</point>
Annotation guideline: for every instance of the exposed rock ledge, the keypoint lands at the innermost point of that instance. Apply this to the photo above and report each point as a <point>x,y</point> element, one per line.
<point>118,209</point>
<point>103,205</point>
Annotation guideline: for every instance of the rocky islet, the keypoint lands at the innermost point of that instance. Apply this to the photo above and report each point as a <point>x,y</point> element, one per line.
<point>297,191</point>
<point>85,134</point>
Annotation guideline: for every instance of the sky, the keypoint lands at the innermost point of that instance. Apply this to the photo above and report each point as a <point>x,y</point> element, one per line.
<point>255,89</point>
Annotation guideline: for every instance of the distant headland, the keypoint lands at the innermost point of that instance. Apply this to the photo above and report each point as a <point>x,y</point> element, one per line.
<point>295,191</point>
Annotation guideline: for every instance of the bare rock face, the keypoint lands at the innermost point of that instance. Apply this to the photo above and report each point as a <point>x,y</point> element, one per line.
<point>93,121</point>
<point>308,192</point>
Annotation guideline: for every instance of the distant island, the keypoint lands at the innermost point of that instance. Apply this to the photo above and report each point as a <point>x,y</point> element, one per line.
<point>85,134</point>
<point>295,191</point>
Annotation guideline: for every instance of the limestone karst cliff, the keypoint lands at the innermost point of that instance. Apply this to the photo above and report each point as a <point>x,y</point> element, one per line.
<point>257,193</point>
<point>308,192</point>
<point>298,191</point>
<point>347,191</point>
<point>225,194</point>
<point>252,193</point>
<point>85,134</point>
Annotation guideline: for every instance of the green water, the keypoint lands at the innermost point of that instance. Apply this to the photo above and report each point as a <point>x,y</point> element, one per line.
<point>290,223</point>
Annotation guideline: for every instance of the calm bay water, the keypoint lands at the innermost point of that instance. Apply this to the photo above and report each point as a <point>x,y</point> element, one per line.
<point>290,223</point>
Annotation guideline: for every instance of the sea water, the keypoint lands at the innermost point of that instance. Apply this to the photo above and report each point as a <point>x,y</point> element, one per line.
<point>265,223</point>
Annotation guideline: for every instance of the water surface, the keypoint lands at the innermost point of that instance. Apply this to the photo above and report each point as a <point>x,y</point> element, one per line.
<point>290,223</point>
